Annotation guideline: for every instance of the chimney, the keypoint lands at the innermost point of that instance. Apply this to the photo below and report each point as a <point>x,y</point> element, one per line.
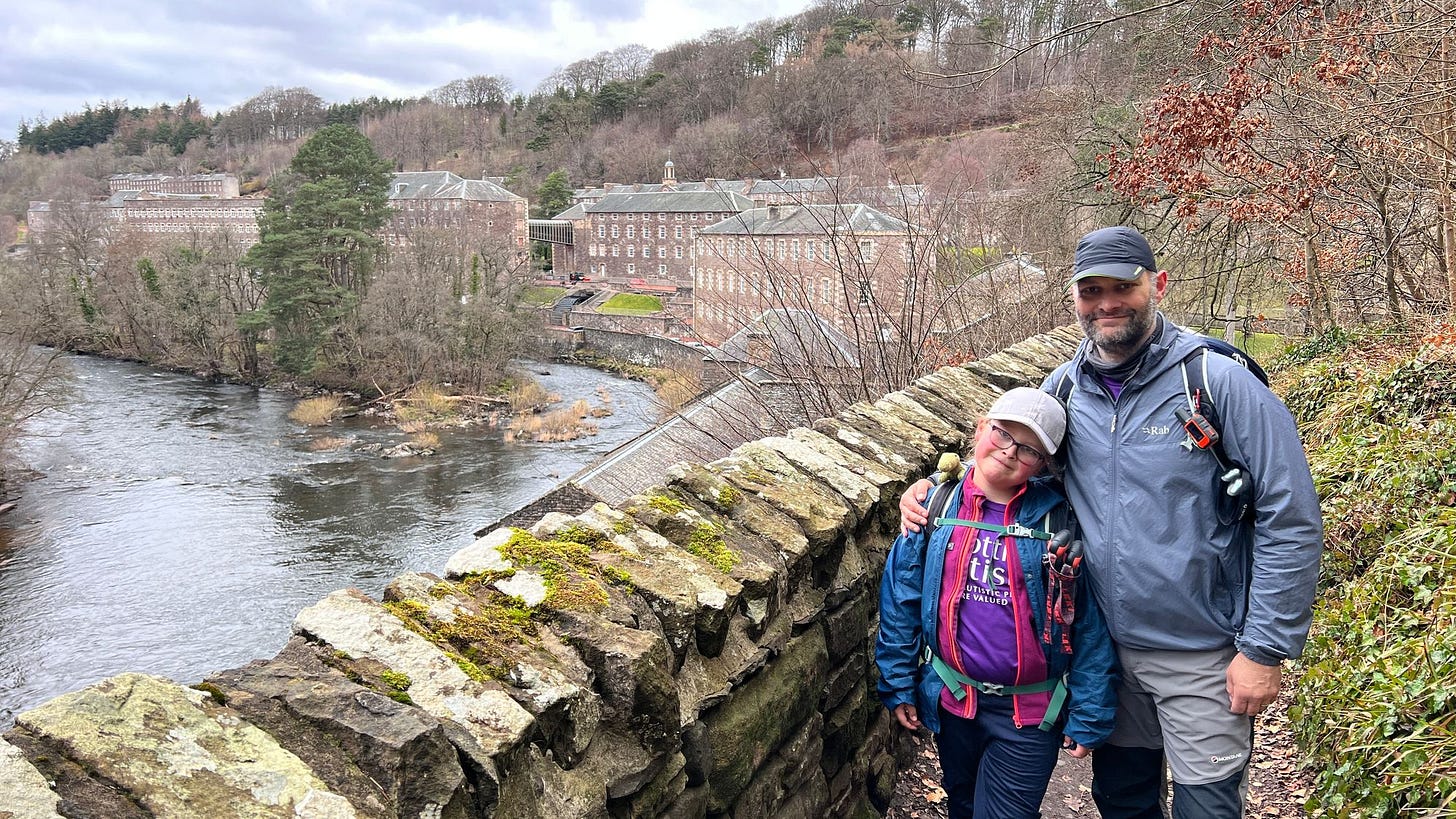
<point>757,348</point>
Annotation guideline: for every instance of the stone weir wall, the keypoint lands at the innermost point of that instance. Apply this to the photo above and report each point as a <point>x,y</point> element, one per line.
<point>704,650</point>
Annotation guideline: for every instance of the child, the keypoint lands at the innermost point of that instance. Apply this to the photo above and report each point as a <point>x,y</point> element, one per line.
<point>968,646</point>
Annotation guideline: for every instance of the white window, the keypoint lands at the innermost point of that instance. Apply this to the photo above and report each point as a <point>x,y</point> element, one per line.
<point>661,252</point>
<point>866,250</point>
<point>615,232</point>
<point>677,230</point>
<point>616,250</point>
<point>809,250</point>
<point>677,252</point>
<point>631,268</point>
<point>631,231</point>
<point>662,231</point>
<point>865,296</point>
<point>631,251</point>
<point>662,270</point>
<point>824,294</point>
<point>695,217</point>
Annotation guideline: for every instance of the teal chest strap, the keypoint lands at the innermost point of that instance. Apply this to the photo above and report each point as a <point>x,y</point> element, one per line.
<point>957,683</point>
<point>1014,529</point>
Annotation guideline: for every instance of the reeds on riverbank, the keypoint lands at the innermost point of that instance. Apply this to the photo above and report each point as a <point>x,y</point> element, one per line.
<point>316,411</point>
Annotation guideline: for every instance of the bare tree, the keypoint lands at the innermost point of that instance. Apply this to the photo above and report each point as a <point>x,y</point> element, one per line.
<point>32,380</point>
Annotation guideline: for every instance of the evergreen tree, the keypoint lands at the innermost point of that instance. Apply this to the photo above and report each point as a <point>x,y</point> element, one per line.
<point>554,195</point>
<point>318,242</point>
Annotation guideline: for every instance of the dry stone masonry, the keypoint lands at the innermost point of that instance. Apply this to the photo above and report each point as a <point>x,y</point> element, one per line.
<point>703,650</point>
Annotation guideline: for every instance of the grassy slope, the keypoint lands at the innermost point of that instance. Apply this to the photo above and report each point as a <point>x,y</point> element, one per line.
<point>631,304</point>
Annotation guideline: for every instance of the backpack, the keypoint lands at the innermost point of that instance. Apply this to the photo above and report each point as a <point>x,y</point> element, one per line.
<point>1063,558</point>
<point>1200,420</point>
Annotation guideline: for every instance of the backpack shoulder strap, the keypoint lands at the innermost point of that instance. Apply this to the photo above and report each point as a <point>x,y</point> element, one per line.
<point>1062,389</point>
<point>1236,489</point>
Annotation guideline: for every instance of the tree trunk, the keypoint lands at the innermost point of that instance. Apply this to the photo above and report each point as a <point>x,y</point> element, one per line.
<point>1314,293</point>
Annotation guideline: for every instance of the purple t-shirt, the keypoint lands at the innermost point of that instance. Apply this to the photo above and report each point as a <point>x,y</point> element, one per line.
<point>985,614</point>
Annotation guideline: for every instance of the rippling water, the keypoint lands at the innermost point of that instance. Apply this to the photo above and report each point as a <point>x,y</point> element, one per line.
<point>178,526</point>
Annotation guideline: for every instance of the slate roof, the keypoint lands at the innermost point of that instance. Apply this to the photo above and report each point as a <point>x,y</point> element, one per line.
<point>799,220</point>
<point>671,202</point>
<point>703,431</point>
<point>792,334</point>
<point>158,177</point>
<point>577,211</point>
<point>446,185</point>
<point>791,187</point>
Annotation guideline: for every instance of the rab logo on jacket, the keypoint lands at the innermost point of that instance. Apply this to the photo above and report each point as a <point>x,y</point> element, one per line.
<point>1153,430</point>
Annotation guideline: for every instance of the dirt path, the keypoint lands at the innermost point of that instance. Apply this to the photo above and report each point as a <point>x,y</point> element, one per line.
<point>1278,787</point>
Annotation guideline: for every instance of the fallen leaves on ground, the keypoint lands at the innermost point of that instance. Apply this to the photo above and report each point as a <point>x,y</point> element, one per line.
<point>1278,784</point>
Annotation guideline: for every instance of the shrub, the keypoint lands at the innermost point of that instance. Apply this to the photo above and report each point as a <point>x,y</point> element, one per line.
<point>315,412</point>
<point>529,396</point>
<point>1375,702</point>
<point>425,404</point>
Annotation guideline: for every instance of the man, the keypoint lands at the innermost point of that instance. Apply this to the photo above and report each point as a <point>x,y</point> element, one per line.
<point>1203,612</point>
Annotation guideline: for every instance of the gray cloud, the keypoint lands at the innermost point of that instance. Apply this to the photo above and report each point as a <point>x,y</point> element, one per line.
<point>57,56</point>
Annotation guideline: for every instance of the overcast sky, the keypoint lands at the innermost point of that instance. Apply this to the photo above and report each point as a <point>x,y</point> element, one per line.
<point>58,55</point>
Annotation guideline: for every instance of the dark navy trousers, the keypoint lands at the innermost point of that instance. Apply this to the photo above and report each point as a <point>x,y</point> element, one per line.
<point>990,768</point>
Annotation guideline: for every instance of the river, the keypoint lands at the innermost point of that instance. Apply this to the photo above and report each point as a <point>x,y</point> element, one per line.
<point>177,526</point>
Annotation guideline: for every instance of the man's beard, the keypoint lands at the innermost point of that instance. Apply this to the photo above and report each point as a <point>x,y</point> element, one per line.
<point>1126,338</point>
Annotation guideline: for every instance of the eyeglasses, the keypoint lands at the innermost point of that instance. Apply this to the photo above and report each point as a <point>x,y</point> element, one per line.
<point>1029,455</point>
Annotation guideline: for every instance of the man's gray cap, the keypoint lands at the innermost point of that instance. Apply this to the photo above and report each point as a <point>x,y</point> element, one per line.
<point>1043,414</point>
<point>1116,252</point>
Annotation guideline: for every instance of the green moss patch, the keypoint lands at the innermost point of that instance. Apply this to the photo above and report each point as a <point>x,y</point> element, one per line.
<point>665,504</point>
<point>707,543</point>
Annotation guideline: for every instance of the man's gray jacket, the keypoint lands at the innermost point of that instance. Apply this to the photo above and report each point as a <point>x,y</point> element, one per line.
<point>1166,573</point>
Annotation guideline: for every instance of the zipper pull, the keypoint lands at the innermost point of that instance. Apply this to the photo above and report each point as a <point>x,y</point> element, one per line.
<point>1114,422</point>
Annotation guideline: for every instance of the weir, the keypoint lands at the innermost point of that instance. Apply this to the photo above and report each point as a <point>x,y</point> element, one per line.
<point>704,649</point>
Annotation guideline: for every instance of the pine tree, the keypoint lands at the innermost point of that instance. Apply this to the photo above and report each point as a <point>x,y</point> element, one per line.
<point>318,242</point>
<point>554,195</point>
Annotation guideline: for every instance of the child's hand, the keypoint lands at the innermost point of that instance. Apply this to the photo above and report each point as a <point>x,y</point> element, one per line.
<point>907,716</point>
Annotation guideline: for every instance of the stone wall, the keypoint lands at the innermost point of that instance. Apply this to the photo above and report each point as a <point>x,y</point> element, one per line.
<point>704,650</point>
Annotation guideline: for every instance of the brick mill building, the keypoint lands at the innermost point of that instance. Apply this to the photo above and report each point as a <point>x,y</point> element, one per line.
<point>856,267</point>
<point>645,240</point>
<point>441,199</point>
